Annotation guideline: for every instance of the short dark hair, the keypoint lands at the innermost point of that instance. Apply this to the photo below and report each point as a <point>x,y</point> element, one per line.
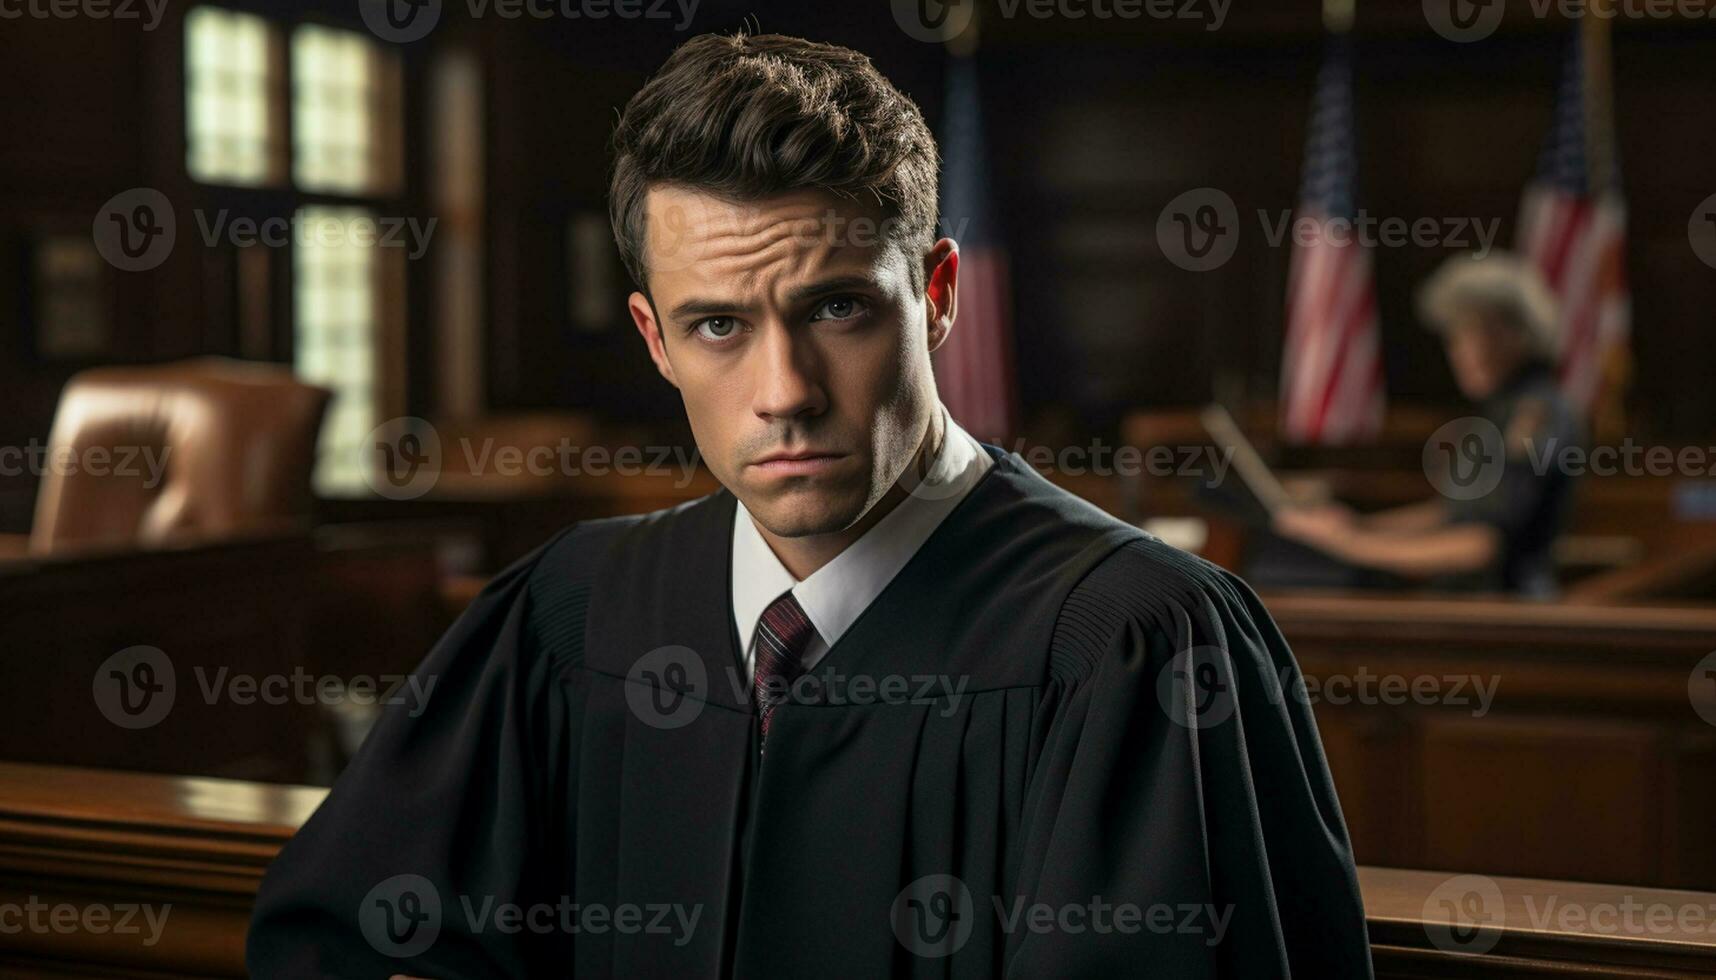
<point>747,117</point>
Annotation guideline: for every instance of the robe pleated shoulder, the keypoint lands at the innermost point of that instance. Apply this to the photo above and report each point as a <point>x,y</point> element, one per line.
<point>1183,769</point>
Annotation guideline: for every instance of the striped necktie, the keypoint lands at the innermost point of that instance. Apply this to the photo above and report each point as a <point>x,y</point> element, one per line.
<point>783,635</point>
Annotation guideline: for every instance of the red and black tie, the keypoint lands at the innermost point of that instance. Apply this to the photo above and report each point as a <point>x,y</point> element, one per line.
<point>783,634</point>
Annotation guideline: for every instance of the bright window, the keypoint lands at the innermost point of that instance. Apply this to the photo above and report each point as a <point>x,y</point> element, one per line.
<point>231,82</point>
<point>335,282</point>
<point>341,94</point>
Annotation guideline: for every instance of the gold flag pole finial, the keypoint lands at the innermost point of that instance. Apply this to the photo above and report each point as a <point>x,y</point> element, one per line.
<point>1338,15</point>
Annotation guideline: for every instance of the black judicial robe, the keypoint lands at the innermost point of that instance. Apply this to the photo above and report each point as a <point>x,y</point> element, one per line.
<point>1125,735</point>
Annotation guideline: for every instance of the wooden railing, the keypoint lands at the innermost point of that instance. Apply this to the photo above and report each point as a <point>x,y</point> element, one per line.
<point>169,864</point>
<point>81,839</point>
<point>1587,752</point>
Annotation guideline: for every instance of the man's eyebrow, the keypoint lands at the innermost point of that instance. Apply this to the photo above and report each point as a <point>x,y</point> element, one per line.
<point>801,294</point>
<point>838,284</point>
<point>702,307</point>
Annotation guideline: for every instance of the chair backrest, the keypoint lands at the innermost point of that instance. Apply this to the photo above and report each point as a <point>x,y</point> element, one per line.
<point>209,447</point>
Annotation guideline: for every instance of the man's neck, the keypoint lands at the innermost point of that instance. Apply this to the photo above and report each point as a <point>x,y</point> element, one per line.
<point>802,556</point>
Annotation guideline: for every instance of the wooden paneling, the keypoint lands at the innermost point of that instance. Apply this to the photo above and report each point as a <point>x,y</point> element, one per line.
<point>1589,764</point>
<point>343,604</point>
<point>1542,795</point>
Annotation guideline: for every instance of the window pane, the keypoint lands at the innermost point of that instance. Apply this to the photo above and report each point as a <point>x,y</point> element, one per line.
<point>229,78</point>
<point>71,298</point>
<point>343,102</point>
<point>337,315</point>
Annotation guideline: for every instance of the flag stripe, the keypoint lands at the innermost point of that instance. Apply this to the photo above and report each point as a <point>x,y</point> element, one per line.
<point>1331,361</point>
<point>1574,232</point>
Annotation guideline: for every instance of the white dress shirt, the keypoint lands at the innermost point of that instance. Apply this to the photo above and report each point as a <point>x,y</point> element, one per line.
<point>836,594</point>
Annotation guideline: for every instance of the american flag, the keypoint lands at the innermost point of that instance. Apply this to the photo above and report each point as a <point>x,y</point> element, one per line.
<point>1331,363</point>
<point>974,367</point>
<point>1573,222</point>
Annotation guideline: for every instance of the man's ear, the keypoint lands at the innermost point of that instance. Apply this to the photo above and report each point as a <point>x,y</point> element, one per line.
<point>941,289</point>
<point>643,314</point>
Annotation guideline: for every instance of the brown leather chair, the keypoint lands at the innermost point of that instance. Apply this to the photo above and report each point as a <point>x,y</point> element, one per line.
<point>216,448</point>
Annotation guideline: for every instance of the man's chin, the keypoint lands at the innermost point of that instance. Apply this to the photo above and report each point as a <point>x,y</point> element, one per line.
<point>805,510</point>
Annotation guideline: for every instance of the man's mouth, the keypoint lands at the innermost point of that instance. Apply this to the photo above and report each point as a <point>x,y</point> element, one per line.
<point>797,463</point>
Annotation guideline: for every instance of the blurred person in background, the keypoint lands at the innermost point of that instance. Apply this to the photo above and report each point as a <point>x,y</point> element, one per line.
<point>1497,319</point>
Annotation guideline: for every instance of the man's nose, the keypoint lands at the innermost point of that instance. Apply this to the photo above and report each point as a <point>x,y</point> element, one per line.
<point>788,376</point>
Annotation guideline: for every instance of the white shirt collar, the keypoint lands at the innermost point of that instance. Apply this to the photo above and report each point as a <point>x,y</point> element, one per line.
<point>835,595</point>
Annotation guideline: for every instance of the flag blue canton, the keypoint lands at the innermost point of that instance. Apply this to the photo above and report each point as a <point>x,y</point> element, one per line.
<point>1330,184</point>
<point>1565,162</point>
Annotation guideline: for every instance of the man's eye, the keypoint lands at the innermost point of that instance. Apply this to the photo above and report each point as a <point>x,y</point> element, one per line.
<point>717,328</point>
<point>839,308</point>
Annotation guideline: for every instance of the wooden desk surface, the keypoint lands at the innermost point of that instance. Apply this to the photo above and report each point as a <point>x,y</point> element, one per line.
<point>142,801</point>
<point>83,836</point>
<point>1538,907</point>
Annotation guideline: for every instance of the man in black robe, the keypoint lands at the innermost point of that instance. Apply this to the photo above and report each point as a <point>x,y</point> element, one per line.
<point>889,704</point>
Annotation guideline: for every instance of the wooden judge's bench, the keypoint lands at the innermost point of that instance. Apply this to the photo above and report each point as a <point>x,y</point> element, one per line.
<point>80,847</point>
